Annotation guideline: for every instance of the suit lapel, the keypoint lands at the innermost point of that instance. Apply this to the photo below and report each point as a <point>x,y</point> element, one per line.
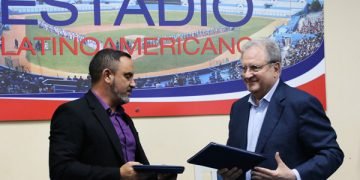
<point>244,112</point>
<point>105,121</point>
<point>272,117</point>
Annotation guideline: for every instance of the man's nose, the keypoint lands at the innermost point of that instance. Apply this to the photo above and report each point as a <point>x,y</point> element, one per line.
<point>247,74</point>
<point>132,83</point>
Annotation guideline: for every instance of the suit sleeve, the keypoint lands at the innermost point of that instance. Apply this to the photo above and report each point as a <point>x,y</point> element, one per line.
<point>229,140</point>
<point>319,140</point>
<point>66,139</point>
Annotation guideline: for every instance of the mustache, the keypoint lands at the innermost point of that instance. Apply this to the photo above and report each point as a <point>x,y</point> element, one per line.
<point>251,79</point>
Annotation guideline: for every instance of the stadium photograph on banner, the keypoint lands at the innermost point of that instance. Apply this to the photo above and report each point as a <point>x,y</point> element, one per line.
<point>186,52</point>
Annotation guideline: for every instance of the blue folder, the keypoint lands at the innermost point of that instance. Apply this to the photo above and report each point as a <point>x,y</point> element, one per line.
<point>220,156</point>
<point>168,169</point>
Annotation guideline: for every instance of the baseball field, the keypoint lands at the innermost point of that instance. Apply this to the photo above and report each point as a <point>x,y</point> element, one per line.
<point>132,27</point>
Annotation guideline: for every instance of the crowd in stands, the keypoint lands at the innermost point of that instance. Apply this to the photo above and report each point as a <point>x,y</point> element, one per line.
<point>17,82</point>
<point>303,49</point>
<point>235,70</point>
<point>176,80</point>
<point>311,26</point>
<point>225,72</point>
<point>82,85</point>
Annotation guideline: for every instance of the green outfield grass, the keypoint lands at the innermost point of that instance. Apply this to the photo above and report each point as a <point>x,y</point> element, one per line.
<point>79,64</point>
<point>65,62</point>
<point>169,61</point>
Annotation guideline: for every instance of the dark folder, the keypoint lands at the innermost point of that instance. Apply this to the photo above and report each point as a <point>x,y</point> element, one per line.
<point>219,156</point>
<point>159,169</point>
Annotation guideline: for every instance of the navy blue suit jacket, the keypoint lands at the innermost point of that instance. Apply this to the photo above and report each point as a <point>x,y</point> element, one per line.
<point>297,127</point>
<point>84,143</point>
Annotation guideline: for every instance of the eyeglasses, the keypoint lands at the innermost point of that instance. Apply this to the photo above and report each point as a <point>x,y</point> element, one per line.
<point>254,68</point>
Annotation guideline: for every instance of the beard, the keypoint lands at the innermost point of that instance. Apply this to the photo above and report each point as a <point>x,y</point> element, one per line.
<point>120,97</point>
<point>123,99</point>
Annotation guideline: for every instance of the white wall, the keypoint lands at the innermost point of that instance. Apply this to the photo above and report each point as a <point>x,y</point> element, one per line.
<point>342,55</point>
<point>24,145</point>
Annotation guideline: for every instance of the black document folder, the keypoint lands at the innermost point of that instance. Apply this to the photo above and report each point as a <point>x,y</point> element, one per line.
<point>220,156</point>
<point>159,169</point>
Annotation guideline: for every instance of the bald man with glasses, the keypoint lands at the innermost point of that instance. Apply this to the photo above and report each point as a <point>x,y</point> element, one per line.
<point>288,126</point>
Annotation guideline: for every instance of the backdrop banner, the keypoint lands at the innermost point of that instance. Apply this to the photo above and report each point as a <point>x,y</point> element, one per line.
<point>186,52</point>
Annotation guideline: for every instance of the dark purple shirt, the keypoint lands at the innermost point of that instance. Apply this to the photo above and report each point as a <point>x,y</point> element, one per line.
<point>123,131</point>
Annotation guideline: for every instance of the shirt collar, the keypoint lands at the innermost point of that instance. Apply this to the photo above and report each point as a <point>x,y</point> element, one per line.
<point>107,108</point>
<point>267,97</point>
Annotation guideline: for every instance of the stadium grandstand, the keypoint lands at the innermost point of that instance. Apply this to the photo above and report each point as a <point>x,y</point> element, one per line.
<point>302,35</point>
<point>18,81</point>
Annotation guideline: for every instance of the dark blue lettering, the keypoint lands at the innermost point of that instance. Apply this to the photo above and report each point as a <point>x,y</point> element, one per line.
<point>70,7</point>
<point>143,10</point>
<point>233,24</point>
<point>203,13</point>
<point>163,22</point>
<point>97,19</point>
<point>5,12</point>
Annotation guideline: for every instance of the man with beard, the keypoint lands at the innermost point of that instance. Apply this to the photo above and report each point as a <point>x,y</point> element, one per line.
<point>92,137</point>
<point>288,126</point>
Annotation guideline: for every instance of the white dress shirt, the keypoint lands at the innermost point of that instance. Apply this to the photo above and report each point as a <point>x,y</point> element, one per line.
<point>256,119</point>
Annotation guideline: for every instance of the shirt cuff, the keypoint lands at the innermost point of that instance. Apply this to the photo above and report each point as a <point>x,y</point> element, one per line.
<point>296,174</point>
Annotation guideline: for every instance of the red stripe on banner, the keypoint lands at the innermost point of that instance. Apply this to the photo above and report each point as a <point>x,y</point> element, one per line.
<point>14,109</point>
<point>316,88</point>
<point>141,109</point>
<point>19,109</point>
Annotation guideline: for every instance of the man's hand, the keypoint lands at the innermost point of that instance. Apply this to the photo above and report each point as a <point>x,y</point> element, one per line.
<point>281,173</point>
<point>231,174</point>
<point>127,171</point>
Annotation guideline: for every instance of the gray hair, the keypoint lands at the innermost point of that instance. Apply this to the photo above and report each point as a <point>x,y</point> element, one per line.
<point>271,47</point>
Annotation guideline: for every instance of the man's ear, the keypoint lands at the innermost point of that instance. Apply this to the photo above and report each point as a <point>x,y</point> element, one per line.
<point>277,67</point>
<point>107,75</point>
